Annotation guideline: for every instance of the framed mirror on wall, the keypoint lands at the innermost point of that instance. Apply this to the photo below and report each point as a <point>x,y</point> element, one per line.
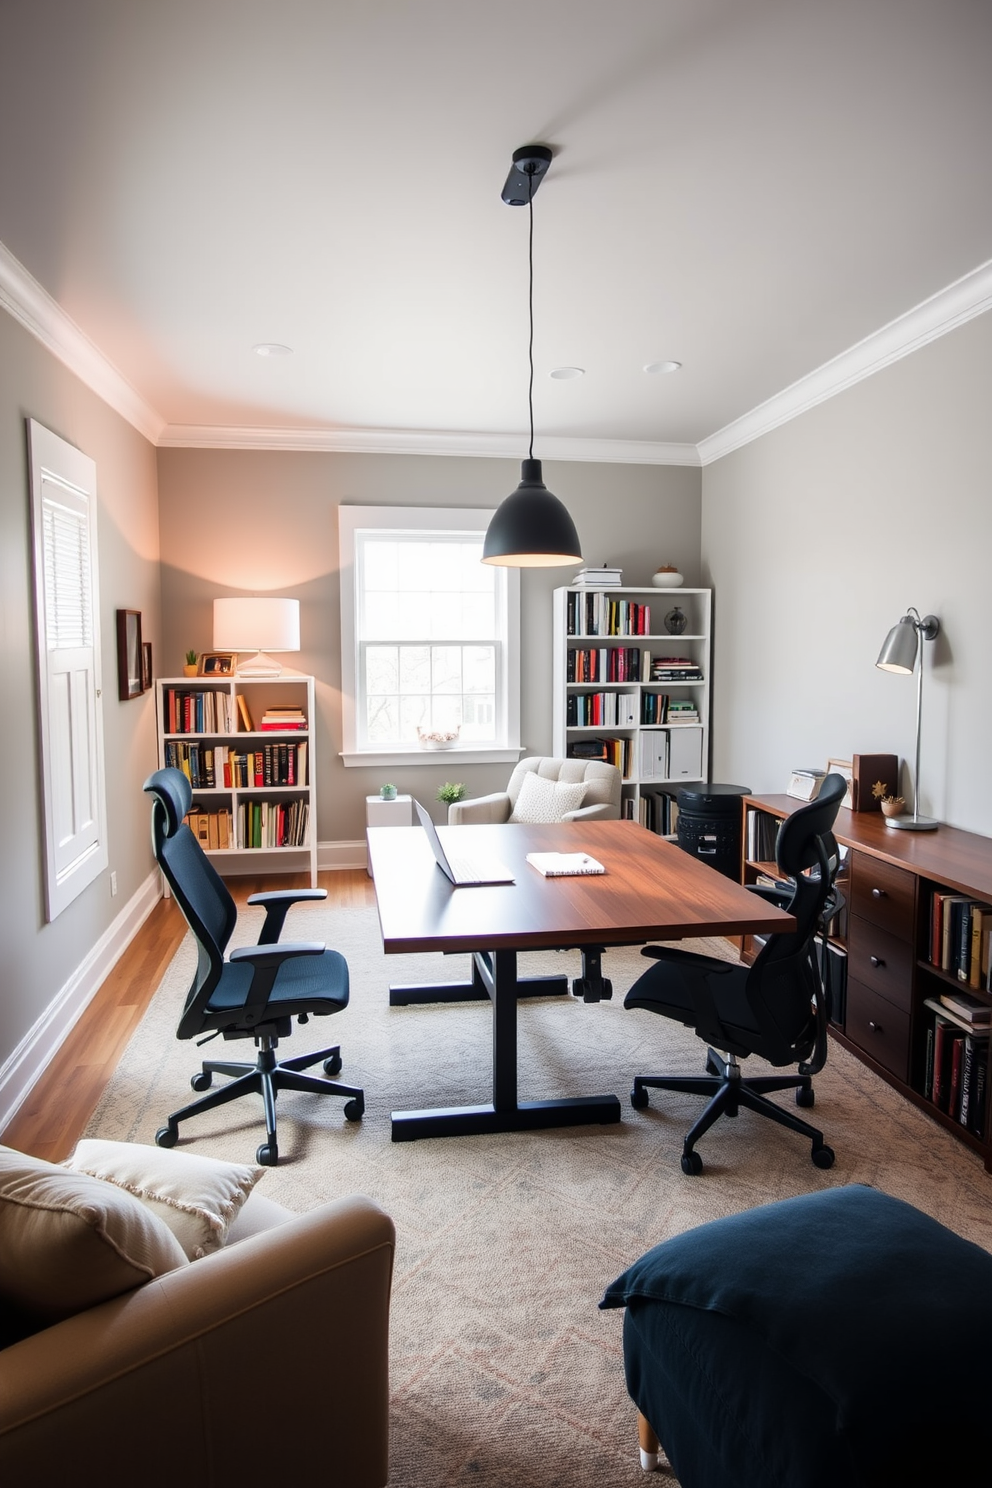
<point>129,655</point>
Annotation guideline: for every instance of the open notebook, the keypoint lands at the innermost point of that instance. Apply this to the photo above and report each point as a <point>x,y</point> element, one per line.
<point>465,873</point>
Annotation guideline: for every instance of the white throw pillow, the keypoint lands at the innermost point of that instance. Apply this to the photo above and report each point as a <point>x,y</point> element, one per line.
<point>196,1197</point>
<point>542,800</point>
<point>68,1241</point>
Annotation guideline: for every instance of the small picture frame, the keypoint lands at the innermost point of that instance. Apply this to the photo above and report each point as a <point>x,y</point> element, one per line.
<point>146,666</point>
<point>217,664</point>
<point>845,768</point>
<point>129,656</point>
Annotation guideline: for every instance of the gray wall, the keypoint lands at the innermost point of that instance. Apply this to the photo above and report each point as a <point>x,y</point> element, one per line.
<point>817,537</point>
<point>37,959</point>
<point>243,521</point>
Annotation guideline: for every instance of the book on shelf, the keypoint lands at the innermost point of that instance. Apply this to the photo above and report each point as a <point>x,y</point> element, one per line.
<point>606,575</point>
<point>283,719</point>
<point>969,1009</point>
<point>245,713</point>
<point>804,785</point>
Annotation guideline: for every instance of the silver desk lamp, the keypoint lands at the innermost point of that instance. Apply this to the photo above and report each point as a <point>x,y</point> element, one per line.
<point>899,654</point>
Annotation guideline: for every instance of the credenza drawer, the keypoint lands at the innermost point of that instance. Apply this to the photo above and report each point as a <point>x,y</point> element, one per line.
<point>881,960</point>
<point>878,1028</point>
<point>883,894</point>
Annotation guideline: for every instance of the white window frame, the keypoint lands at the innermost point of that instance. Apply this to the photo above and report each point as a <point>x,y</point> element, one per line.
<point>424,520</point>
<point>73,779</point>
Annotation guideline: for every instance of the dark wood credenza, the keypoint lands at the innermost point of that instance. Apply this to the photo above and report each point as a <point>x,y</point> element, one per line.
<point>885,940</point>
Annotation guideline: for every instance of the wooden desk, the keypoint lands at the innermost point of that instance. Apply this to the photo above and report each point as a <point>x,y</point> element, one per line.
<point>651,890</point>
<point>892,878</point>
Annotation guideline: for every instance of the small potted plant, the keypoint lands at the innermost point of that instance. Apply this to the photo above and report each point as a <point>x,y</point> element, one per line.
<point>387,792</point>
<point>450,792</point>
<point>189,668</point>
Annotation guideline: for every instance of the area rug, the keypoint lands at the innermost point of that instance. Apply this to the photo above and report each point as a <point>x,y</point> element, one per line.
<point>504,1373</point>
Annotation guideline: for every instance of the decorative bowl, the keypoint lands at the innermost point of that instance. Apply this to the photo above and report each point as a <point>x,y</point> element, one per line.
<point>667,578</point>
<point>892,805</point>
<point>437,738</point>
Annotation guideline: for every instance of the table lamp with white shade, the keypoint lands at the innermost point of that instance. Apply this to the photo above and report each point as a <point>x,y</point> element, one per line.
<point>902,651</point>
<point>258,625</point>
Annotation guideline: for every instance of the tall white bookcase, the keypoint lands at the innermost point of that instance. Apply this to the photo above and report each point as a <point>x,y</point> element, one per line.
<point>202,726</point>
<point>608,644</point>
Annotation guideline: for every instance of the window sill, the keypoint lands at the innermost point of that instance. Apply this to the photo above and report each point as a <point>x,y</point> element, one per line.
<point>464,754</point>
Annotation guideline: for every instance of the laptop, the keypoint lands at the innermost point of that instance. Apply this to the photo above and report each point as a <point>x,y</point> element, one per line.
<point>465,873</point>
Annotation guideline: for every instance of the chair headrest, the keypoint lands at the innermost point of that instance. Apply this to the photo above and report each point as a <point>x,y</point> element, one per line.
<point>173,791</point>
<point>799,832</point>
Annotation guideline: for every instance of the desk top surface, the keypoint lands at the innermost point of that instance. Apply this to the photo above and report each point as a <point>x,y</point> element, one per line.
<point>651,890</point>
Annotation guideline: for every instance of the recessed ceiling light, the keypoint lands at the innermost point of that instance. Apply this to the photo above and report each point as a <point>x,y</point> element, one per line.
<point>271,348</point>
<point>563,374</point>
<point>654,367</point>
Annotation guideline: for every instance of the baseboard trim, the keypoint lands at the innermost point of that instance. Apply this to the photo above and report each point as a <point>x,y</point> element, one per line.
<point>332,855</point>
<point>33,1054</point>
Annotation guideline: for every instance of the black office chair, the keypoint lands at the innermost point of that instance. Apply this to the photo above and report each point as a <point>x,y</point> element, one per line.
<point>258,991</point>
<point>775,1008</point>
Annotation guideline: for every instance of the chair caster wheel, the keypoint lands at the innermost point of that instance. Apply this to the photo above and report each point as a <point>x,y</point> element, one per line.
<point>166,1137</point>
<point>332,1066</point>
<point>638,1098</point>
<point>267,1155</point>
<point>580,987</point>
<point>692,1164</point>
<point>804,1097</point>
<point>354,1109</point>
<point>202,1081</point>
<point>823,1157</point>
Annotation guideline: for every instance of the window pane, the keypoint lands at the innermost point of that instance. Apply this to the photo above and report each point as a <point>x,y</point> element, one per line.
<point>382,669</point>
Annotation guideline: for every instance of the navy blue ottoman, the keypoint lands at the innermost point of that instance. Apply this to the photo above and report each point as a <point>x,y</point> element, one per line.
<point>841,1338</point>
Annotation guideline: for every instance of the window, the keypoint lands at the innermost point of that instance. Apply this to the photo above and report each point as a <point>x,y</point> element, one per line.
<point>430,637</point>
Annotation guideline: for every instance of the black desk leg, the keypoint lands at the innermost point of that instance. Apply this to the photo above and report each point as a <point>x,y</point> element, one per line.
<point>497,972</point>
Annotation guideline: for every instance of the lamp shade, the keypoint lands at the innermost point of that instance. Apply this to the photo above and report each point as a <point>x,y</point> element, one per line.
<point>898,653</point>
<point>531,528</point>
<point>256,624</point>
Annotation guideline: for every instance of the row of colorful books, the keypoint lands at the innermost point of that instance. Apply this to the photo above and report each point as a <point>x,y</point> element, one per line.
<point>607,664</point>
<point>259,824</point>
<point>600,615</point>
<point>960,936</point>
<point>208,767</point>
<point>956,1068</point>
<point>613,751</point>
<point>601,709</point>
<point>191,711</point>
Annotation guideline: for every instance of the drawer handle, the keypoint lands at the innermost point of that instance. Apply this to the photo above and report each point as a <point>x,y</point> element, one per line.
<point>878,893</point>
<point>876,960</point>
<point>875,1027</point>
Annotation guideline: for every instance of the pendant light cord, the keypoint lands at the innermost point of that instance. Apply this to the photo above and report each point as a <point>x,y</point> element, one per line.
<point>530,301</point>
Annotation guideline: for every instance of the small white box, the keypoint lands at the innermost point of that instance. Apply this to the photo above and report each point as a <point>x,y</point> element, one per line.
<point>685,754</point>
<point>395,813</point>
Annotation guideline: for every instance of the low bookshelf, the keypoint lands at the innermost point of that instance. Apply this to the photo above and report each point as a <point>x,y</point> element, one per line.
<point>910,952</point>
<point>246,746</point>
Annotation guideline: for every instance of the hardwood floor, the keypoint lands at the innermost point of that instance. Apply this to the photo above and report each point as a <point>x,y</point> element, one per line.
<point>52,1118</point>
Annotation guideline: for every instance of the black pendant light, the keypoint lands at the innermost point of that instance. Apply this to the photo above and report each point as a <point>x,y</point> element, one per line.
<point>531,528</point>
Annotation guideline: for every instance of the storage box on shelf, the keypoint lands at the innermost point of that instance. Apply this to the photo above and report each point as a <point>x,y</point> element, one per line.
<point>246,744</point>
<point>628,690</point>
<point>915,949</point>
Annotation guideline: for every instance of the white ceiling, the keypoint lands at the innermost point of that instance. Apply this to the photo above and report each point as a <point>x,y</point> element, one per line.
<point>749,187</point>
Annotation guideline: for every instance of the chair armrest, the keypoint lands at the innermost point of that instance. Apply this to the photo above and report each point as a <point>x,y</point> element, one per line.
<point>481,810</point>
<point>601,811</point>
<point>277,902</point>
<point>158,1385</point>
<point>268,955</point>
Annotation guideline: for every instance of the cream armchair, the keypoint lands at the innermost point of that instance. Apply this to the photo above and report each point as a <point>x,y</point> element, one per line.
<point>601,802</point>
<point>219,1373</point>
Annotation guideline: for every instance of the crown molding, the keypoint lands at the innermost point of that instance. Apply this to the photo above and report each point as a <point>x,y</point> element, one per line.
<point>944,311</point>
<point>426,442</point>
<point>33,307</point>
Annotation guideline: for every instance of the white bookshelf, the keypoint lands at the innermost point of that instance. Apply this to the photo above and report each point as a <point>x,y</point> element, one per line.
<point>280,804</point>
<point>659,752</point>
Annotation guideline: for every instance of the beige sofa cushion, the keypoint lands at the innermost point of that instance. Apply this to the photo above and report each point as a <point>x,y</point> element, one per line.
<point>543,800</point>
<point>69,1241</point>
<point>196,1197</point>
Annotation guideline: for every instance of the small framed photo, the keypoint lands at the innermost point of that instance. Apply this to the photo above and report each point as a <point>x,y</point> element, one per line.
<point>217,663</point>
<point>845,768</point>
<point>128,654</point>
<point>146,665</point>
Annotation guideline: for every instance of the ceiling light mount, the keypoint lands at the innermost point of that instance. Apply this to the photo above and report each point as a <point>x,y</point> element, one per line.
<point>530,165</point>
